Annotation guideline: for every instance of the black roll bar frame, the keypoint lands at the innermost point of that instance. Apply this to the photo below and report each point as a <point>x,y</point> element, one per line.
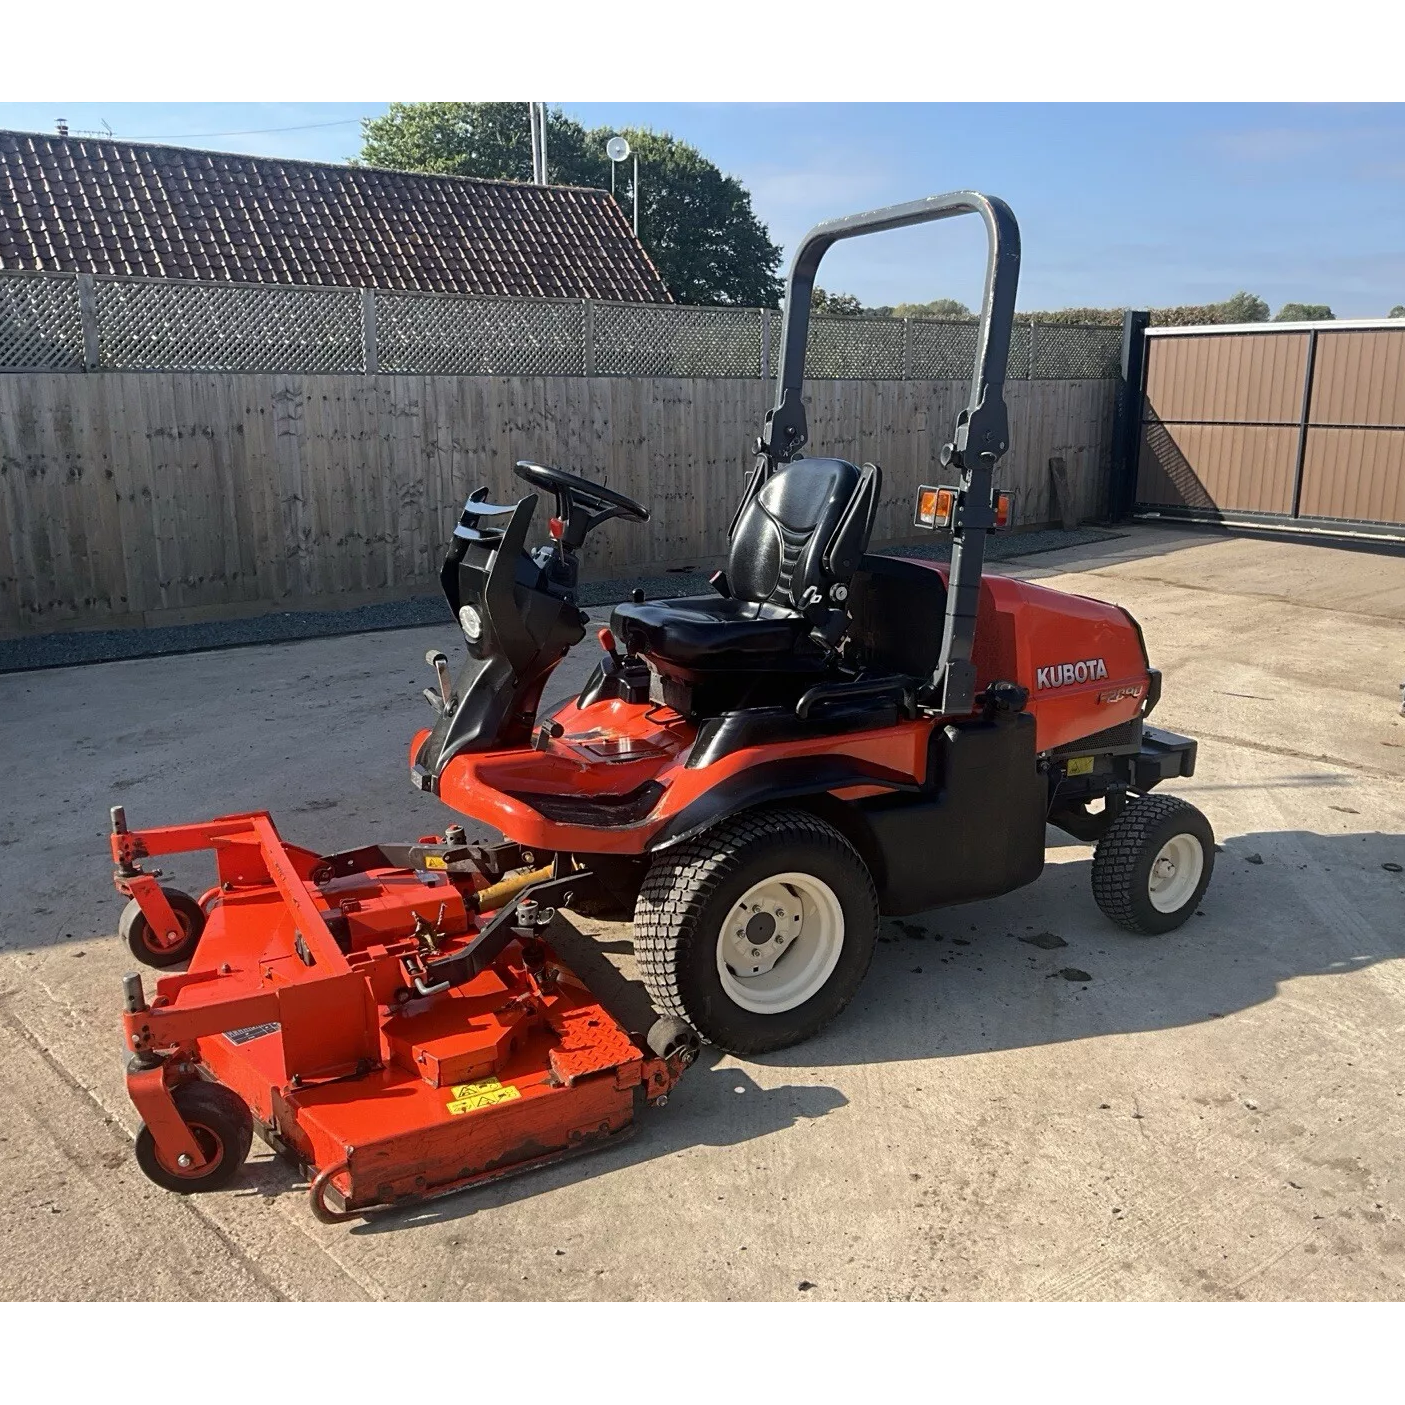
<point>982,431</point>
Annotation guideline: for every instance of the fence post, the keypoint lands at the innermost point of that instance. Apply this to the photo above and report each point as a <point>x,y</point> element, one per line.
<point>88,319</point>
<point>1031,349</point>
<point>765,343</point>
<point>371,349</point>
<point>588,335</point>
<point>907,348</point>
<point>1303,418</point>
<point>1127,416</point>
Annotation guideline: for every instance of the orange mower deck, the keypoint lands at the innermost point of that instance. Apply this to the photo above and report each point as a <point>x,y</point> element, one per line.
<point>383,1032</point>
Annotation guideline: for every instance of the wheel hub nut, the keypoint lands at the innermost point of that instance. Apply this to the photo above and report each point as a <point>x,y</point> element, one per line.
<point>184,1161</point>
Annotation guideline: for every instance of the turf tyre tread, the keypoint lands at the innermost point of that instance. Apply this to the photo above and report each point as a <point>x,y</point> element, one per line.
<point>1119,883</point>
<point>681,885</point>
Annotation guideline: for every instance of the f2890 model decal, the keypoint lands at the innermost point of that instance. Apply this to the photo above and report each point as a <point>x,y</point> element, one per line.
<point>1061,675</point>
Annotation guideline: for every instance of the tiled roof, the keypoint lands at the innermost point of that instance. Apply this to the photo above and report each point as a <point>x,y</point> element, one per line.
<point>75,204</point>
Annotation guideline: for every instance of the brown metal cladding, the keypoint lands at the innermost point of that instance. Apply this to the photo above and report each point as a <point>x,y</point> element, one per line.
<point>1244,468</point>
<point>1248,376</point>
<point>1357,474</point>
<point>1359,378</point>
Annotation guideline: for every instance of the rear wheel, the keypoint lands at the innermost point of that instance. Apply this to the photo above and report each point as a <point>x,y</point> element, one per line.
<point>223,1129</point>
<point>160,949</point>
<point>758,931</point>
<point>1152,866</point>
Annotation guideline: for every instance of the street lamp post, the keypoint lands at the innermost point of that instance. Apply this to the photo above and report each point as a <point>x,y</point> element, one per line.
<point>617,149</point>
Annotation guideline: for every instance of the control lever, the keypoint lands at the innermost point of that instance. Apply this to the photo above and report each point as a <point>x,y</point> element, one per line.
<point>612,661</point>
<point>439,662</point>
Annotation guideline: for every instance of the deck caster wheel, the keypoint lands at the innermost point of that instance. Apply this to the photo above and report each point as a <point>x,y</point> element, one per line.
<point>222,1125</point>
<point>152,948</point>
<point>1152,866</point>
<point>669,1036</point>
<point>757,932</point>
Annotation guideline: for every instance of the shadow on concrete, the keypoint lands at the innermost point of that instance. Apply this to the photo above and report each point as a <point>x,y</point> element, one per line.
<point>961,982</point>
<point>713,1106</point>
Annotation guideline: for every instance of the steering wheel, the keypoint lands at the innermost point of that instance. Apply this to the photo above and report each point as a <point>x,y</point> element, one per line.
<point>568,486</point>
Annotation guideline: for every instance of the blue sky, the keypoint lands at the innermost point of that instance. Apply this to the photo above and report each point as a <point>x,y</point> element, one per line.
<point>1119,204</point>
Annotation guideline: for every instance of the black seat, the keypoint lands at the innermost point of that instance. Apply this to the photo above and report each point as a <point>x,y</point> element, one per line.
<point>800,535</point>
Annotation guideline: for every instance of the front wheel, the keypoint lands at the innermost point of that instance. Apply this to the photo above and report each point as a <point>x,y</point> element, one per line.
<point>758,931</point>
<point>1152,866</point>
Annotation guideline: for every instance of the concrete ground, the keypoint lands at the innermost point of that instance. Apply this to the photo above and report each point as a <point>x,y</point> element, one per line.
<point>1214,1114</point>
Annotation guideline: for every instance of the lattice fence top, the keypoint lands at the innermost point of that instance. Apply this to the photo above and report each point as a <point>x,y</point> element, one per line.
<point>479,336</point>
<point>40,322</point>
<point>66,322</point>
<point>1065,352</point>
<point>173,326</point>
<point>855,348</point>
<point>643,340</point>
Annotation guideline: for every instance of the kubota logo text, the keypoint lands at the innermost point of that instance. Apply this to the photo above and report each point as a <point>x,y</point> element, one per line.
<point>1060,675</point>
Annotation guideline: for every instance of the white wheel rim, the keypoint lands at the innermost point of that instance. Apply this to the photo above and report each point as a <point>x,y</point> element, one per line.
<point>779,943</point>
<point>1175,872</point>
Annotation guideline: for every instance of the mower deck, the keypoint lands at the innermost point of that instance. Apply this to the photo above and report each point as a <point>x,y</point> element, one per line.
<point>378,1033</point>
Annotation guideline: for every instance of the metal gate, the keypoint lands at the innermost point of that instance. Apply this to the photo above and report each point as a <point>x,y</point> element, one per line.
<point>1301,424</point>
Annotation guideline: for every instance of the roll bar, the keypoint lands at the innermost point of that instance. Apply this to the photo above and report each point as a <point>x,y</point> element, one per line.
<point>982,431</point>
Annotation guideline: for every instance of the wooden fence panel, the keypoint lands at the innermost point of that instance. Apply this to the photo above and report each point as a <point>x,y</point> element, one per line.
<point>168,497</point>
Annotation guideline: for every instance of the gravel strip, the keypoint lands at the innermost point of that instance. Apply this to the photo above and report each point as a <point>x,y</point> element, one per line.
<point>104,645</point>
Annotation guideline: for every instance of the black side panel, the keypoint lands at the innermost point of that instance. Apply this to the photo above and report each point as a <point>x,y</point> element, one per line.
<point>982,835</point>
<point>897,609</point>
<point>786,779</point>
<point>720,736</point>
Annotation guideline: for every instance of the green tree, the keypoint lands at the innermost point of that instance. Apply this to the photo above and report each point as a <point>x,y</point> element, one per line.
<point>1304,312</point>
<point>492,140</point>
<point>696,222</point>
<point>835,304</point>
<point>1397,311</point>
<point>1243,307</point>
<point>938,308</point>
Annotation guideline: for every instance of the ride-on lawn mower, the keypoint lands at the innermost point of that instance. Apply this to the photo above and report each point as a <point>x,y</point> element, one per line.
<point>756,774</point>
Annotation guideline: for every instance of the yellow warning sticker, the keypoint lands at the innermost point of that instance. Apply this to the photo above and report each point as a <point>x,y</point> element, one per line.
<point>1080,765</point>
<point>469,1097</point>
<point>434,861</point>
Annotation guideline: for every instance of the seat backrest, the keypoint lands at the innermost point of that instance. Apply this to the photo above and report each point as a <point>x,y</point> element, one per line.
<point>808,526</point>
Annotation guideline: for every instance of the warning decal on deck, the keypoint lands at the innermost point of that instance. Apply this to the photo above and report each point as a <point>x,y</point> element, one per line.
<point>1079,765</point>
<point>469,1097</point>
